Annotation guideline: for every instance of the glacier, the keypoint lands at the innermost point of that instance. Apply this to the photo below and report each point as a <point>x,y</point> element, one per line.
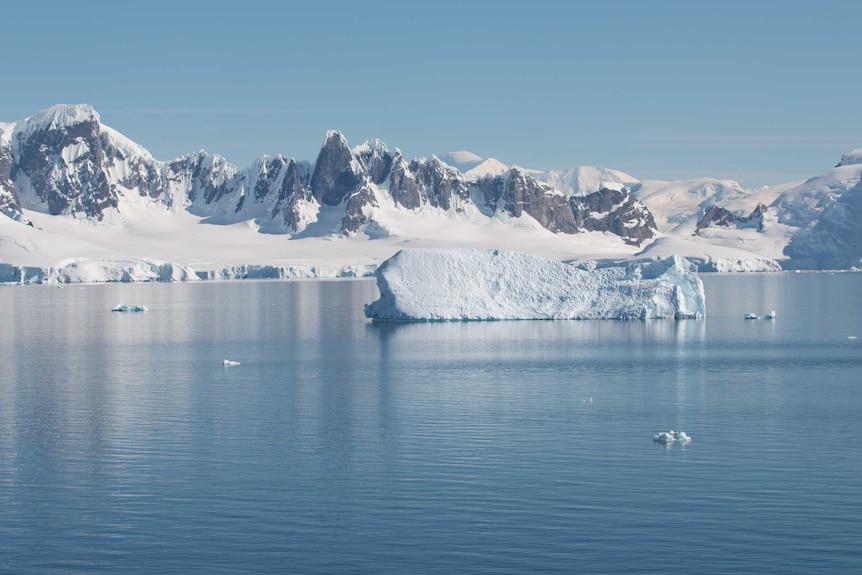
<point>462,285</point>
<point>85,270</point>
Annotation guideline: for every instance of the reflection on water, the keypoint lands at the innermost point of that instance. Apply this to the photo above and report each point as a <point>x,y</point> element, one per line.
<point>532,331</point>
<point>345,445</point>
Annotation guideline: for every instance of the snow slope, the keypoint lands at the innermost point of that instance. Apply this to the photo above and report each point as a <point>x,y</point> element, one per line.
<point>474,166</point>
<point>585,179</point>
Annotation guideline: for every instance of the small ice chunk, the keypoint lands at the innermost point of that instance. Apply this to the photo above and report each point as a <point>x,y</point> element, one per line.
<point>125,307</point>
<point>671,436</point>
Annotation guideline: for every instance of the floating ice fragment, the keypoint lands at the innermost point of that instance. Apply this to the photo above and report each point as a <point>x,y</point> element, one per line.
<point>671,436</point>
<point>124,307</point>
<point>770,315</point>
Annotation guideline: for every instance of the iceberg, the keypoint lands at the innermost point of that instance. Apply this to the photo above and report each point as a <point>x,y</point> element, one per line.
<point>125,307</point>
<point>463,285</point>
<point>770,315</point>
<point>665,437</point>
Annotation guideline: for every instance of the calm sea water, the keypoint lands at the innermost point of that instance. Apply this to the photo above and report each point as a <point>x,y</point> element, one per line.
<point>341,446</point>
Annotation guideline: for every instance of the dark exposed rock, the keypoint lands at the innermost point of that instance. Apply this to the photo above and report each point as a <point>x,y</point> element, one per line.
<point>207,179</point>
<point>426,181</point>
<point>718,216</point>
<point>490,189</point>
<point>73,185</point>
<point>294,189</point>
<point>9,205</point>
<point>543,203</point>
<point>515,193</point>
<point>376,160</point>
<point>756,218</point>
<point>439,184</point>
<point>334,175</point>
<point>354,217</point>
<point>614,211</point>
<point>402,184</point>
<point>142,172</point>
<point>269,171</point>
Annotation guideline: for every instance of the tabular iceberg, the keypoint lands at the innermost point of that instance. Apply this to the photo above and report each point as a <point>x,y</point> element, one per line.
<point>460,285</point>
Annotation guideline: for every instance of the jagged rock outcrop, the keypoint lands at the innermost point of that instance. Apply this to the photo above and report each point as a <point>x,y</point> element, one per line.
<point>375,160</point>
<point>60,162</point>
<point>718,216</point>
<point>756,219</point>
<point>65,161</point>
<point>426,181</point>
<point>205,179</point>
<point>293,193</point>
<point>336,172</point>
<point>516,193</point>
<point>130,167</point>
<point>433,183</point>
<point>403,186</point>
<point>616,211</point>
<point>9,205</point>
<point>354,212</point>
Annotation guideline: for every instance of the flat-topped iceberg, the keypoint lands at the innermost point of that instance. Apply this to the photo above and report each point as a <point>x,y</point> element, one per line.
<point>460,285</point>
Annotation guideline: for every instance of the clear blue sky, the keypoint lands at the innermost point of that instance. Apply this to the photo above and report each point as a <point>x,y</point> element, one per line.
<point>757,91</point>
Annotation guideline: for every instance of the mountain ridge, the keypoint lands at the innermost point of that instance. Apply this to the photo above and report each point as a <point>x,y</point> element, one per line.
<point>64,162</point>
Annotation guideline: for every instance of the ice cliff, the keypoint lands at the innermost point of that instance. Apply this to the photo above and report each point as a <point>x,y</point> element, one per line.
<point>451,285</point>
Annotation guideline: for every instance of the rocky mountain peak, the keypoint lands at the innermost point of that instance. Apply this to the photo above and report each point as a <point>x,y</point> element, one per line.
<point>336,171</point>
<point>375,159</point>
<point>66,162</point>
<point>59,152</point>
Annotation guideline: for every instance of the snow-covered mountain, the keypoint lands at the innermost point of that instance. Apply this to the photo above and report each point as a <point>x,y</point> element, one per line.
<point>74,189</point>
<point>473,166</point>
<point>63,161</point>
<point>585,179</point>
